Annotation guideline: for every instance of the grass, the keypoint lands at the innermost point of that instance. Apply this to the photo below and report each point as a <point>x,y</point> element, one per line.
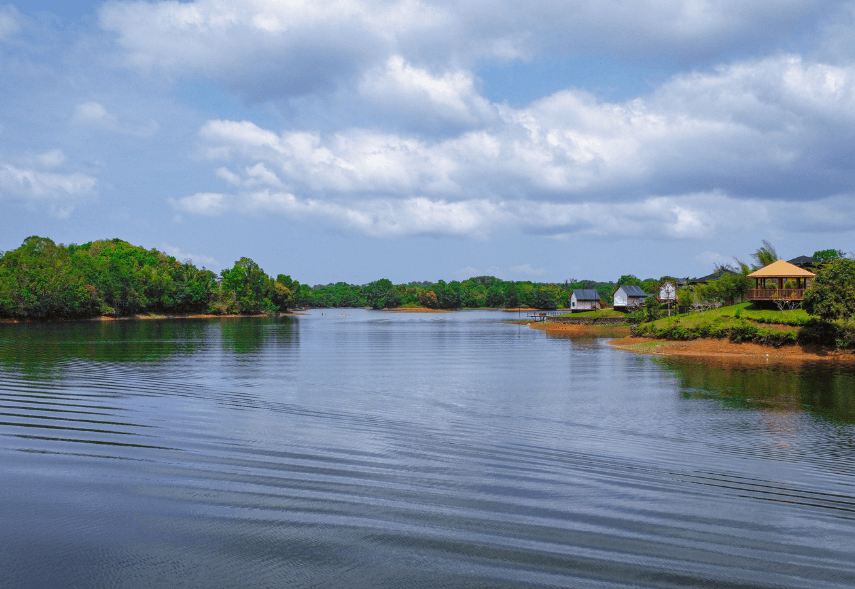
<point>750,312</point>
<point>722,324</point>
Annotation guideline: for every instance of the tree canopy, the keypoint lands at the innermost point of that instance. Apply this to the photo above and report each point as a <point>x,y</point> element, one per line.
<point>831,296</point>
<point>765,254</point>
<point>42,280</point>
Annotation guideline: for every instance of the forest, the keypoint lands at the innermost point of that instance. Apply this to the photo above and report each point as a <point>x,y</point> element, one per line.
<point>44,280</point>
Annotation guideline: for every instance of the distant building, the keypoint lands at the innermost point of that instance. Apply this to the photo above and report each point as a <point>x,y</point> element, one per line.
<point>585,300</point>
<point>668,290</point>
<point>627,296</point>
<point>803,262</point>
<point>710,277</point>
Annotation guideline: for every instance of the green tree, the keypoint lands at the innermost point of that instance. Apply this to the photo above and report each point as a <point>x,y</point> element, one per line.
<point>249,285</point>
<point>832,294</point>
<point>495,294</point>
<point>825,256</point>
<point>730,287</point>
<point>629,280</point>
<point>511,298</point>
<point>380,294</point>
<point>765,254</point>
<point>38,281</point>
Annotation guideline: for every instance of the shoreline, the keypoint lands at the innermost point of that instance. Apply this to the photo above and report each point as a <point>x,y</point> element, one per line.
<point>715,349</point>
<point>577,329</point>
<point>417,310</point>
<point>152,317</point>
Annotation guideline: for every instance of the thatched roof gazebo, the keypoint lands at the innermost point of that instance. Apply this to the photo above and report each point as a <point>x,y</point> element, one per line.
<point>769,282</point>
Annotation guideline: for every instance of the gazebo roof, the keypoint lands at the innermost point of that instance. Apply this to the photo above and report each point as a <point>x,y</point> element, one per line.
<point>781,269</point>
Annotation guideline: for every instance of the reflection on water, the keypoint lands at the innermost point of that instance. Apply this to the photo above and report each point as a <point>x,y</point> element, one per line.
<point>386,450</point>
<point>822,390</point>
<point>36,347</point>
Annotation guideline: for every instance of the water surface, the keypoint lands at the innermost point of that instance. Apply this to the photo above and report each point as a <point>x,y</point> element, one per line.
<point>430,450</point>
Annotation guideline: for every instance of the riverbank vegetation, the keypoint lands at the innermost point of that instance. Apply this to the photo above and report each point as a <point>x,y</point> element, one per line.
<point>826,317</point>
<point>112,278</point>
<point>479,292</point>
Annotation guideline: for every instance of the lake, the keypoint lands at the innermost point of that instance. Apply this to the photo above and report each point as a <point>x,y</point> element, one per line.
<point>354,448</point>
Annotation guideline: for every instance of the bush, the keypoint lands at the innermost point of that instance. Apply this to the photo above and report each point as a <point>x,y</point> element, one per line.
<point>819,333</point>
<point>743,332</point>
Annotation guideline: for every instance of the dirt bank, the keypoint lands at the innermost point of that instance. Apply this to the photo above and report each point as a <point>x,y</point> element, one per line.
<point>726,350</point>
<point>570,330</point>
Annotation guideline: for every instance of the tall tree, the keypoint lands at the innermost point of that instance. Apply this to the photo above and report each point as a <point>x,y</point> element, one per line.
<point>765,254</point>
<point>825,256</point>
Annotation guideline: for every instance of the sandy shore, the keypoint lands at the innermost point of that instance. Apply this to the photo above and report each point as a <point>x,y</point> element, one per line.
<point>726,350</point>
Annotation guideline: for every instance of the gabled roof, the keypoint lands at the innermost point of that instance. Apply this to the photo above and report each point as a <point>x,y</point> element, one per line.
<point>802,260</point>
<point>633,291</point>
<point>586,294</point>
<point>714,276</point>
<point>781,269</point>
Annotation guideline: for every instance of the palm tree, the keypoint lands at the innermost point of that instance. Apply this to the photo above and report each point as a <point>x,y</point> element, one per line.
<point>765,254</point>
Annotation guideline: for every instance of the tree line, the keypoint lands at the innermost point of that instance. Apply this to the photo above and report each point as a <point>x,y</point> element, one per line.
<point>45,280</point>
<point>474,293</point>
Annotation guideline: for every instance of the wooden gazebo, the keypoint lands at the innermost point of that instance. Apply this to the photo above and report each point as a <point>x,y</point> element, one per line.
<point>769,282</point>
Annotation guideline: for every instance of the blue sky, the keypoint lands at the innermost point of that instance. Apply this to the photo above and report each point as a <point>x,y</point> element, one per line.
<point>354,140</point>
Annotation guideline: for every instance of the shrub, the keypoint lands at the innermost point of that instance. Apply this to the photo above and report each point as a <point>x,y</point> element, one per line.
<point>819,333</point>
<point>743,332</point>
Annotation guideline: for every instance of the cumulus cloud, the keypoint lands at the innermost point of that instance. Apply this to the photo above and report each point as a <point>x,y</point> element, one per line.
<point>421,100</point>
<point>774,128</point>
<point>182,256</point>
<point>94,114</point>
<point>731,142</point>
<point>32,182</point>
<point>377,217</point>
<point>268,48</point>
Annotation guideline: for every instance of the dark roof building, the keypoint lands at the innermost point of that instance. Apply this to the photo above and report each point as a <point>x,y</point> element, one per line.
<point>634,291</point>
<point>803,262</point>
<point>586,294</point>
<point>714,276</point>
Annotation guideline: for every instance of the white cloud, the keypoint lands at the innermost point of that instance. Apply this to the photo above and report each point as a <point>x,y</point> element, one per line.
<point>206,204</point>
<point>419,99</point>
<point>94,114</point>
<point>50,159</point>
<point>527,270</point>
<point>754,129</point>
<point>9,22</point>
<point>377,217</point>
<point>712,259</point>
<point>269,48</point>
<point>181,256</point>
<point>32,183</point>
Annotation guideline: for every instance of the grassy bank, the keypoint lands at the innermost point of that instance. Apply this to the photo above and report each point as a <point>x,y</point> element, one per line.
<point>743,323</point>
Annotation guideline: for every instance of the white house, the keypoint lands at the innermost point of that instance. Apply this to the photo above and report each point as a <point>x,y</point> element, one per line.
<point>584,300</point>
<point>627,296</point>
<point>667,292</point>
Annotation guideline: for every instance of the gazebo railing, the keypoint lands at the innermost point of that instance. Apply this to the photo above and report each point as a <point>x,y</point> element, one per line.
<point>775,294</point>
